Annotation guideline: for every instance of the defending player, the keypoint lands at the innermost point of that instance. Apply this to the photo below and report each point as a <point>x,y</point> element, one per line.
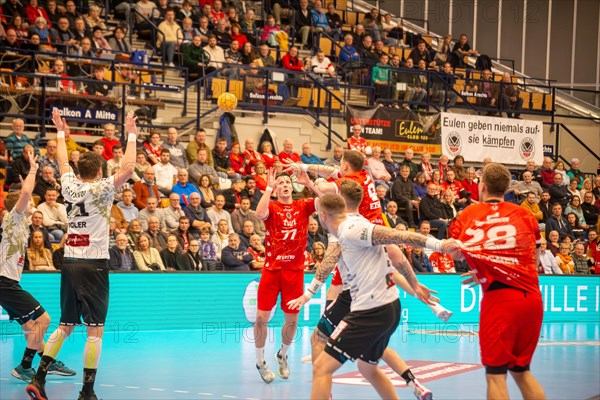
<point>501,243</point>
<point>286,223</point>
<point>20,305</point>
<point>364,333</point>
<point>352,194</point>
<point>84,275</point>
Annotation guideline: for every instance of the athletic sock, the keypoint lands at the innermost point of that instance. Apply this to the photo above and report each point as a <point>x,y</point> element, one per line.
<point>283,350</point>
<point>408,376</point>
<point>27,357</point>
<point>42,370</point>
<point>260,355</point>
<point>89,378</point>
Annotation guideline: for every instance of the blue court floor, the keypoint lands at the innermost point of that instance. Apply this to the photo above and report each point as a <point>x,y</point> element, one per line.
<point>215,364</point>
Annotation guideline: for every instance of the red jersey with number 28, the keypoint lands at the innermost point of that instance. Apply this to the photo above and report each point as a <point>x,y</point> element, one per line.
<point>499,242</point>
<point>370,206</point>
<point>287,231</point>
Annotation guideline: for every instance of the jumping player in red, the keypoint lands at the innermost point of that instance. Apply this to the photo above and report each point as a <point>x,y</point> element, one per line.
<point>286,223</point>
<point>500,241</point>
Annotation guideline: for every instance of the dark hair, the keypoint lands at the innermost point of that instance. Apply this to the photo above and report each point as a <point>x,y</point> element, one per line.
<point>117,147</point>
<point>90,164</point>
<point>99,143</point>
<point>351,192</point>
<point>496,178</point>
<point>355,159</point>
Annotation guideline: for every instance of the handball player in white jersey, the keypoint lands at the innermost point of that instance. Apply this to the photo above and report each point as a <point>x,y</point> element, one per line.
<point>20,305</point>
<point>84,275</point>
<point>374,315</point>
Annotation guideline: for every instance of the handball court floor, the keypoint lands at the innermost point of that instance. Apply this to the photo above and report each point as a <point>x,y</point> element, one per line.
<point>219,364</point>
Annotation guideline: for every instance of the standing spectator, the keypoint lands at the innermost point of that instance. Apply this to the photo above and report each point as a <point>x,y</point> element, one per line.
<point>176,149</point>
<point>408,160</point>
<point>109,141</point>
<point>235,257</point>
<point>147,258</point>
<point>171,38</point>
<point>199,142</point>
<point>145,189</point>
<point>120,255</point>
<point>165,173</point>
<point>303,23</point>
<point>17,140</point>
<point>404,194</point>
<point>54,216</point>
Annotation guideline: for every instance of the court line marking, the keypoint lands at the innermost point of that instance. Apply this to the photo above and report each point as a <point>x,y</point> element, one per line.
<point>205,394</point>
<point>132,387</point>
<point>157,389</point>
<point>181,391</point>
<point>106,385</point>
<point>228,397</point>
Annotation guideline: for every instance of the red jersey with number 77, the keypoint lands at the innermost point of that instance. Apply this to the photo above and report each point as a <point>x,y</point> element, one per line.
<point>499,242</point>
<point>287,232</point>
<point>370,206</point>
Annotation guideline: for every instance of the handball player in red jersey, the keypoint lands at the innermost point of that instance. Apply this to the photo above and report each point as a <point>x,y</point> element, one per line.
<point>286,223</point>
<point>500,241</point>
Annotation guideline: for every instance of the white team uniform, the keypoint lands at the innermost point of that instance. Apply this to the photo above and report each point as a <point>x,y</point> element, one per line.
<point>88,209</point>
<point>15,233</point>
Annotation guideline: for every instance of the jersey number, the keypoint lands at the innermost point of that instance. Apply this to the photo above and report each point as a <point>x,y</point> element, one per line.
<point>289,234</point>
<point>371,188</point>
<point>498,238</point>
<point>76,210</point>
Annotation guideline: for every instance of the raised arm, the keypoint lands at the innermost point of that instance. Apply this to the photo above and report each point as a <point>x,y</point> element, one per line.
<point>262,209</point>
<point>28,184</point>
<point>61,145</point>
<point>128,164</point>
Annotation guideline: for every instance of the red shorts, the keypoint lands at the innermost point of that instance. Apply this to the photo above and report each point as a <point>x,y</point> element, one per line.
<point>337,277</point>
<point>510,325</point>
<point>290,283</point>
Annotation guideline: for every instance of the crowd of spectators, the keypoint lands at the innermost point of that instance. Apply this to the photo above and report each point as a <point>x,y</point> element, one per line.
<point>192,207</point>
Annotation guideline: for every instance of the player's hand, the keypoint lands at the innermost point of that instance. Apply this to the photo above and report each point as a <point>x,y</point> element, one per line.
<point>271,181</point>
<point>303,179</point>
<point>432,298</point>
<point>424,294</point>
<point>470,279</point>
<point>59,122</point>
<point>293,168</point>
<point>297,304</point>
<point>130,126</point>
<point>33,165</point>
<point>452,247</point>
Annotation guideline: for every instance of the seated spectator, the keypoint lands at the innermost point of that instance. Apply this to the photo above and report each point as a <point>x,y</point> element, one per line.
<point>409,155</point>
<point>238,35</point>
<point>126,205</point>
<point>349,56</point>
<point>249,58</point>
<point>260,176</point>
<point>578,230</point>
<point>134,230</point>
<point>420,261</point>
<point>17,140</point>
<point>196,59</point>
<point>193,256</point>
<point>314,257</point>
<point>207,191</point>
<point>442,263</point>
<point>553,242</point>
<point>21,166</point>
<point>448,204</point>
<point>576,208</point>
<point>197,216</point>
<point>320,22</point>
<point>336,159</point>
<point>99,43</point>
<point>222,162</point>
<point>188,30</point>
<point>158,236</point>
<point>217,213</point>
<point>257,250</point>
<point>173,212</point>
<point>382,194</point>
<point>575,173</point>
<point>243,214</point>
<point>233,195</point>
<point>235,257</point>
<point>460,171</point>
<point>251,191</point>
<point>145,189</point>
<point>391,215</point>
<point>420,52</point>
<point>165,173</point>
<point>580,262</point>
<point>119,43</point>
<point>288,154</point>
<point>590,211</point>
<point>586,187</point>
<point>462,49</point>
<point>315,234</point>
<point>171,38</point>
<point>176,149</point>
<point>202,167</point>
<point>39,258</point>
<point>559,193</point>
<point>216,53</point>
<point>54,216</point>
<point>236,159</point>
<point>147,258</point>
<point>430,209</point>
<point>530,204</point>
<point>425,166</point>
<point>251,156</point>
<point>152,210</point>
<point>246,233</point>
<point>572,188</point>
<point>559,168</point>
<point>444,51</point>
<point>420,185</point>
<point>49,159</point>
<point>378,170</point>
<point>61,36</point>
<point>37,219</point>
<point>391,166</point>
<point>93,19</point>
<point>512,104</point>
<point>264,57</point>
<point>198,143</point>
<point>547,264</point>
<point>564,260</point>
<point>109,141</point>
<point>490,89</point>
<point>172,256</point>
<point>404,194</point>
<point>307,156</point>
<point>442,85</point>
<point>121,256</point>
<point>153,148</point>
<point>47,179</point>
<point>222,34</point>
<point>460,196</point>
<point>220,238</point>
<point>249,26</point>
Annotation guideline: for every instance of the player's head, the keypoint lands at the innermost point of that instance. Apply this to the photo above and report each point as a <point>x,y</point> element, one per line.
<point>494,180</point>
<point>352,161</point>
<point>352,193</point>
<point>331,210</point>
<point>11,200</point>
<point>283,186</point>
<point>90,166</point>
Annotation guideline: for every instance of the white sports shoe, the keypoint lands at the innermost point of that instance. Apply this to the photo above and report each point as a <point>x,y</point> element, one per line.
<point>265,372</point>
<point>306,359</point>
<point>441,312</point>
<point>283,371</point>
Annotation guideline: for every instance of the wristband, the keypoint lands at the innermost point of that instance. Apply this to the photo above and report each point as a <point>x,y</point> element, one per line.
<point>433,244</point>
<point>313,288</point>
<point>132,137</point>
<point>268,189</point>
<point>60,134</point>
<point>304,167</point>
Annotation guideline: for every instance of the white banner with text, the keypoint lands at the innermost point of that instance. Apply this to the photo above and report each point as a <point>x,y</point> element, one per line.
<point>507,141</point>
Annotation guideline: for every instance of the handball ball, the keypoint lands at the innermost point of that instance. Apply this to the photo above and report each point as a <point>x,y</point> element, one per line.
<point>227,101</point>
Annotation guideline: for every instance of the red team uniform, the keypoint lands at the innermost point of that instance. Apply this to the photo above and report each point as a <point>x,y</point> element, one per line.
<point>285,242</point>
<point>500,242</point>
<point>359,144</point>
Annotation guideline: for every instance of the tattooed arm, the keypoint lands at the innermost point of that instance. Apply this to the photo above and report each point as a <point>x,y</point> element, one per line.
<point>383,235</point>
<point>323,269</point>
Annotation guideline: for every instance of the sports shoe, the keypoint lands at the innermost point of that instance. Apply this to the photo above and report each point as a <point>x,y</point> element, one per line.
<point>420,391</point>
<point>265,373</point>
<point>283,371</point>
<point>24,374</point>
<point>83,396</point>
<point>306,359</point>
<point>59,368</point>
<point>36,390</point>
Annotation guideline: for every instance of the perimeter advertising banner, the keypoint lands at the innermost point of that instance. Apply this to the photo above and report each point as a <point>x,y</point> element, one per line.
<point>397,129</point>
<point>508,141</point>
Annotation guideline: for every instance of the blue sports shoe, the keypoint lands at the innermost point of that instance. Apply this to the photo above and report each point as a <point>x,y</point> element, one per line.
<point>24,374</point>
<point>59,368</point>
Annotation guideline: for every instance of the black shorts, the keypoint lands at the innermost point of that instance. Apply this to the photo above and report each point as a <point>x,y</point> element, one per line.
<point>334,313</point>
<point>20,305</point>
<point>84,292</point>
<point>364,334</point>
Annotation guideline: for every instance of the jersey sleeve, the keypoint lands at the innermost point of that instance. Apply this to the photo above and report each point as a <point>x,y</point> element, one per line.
<point>310,205</point>
<point>69,184</point>
<point>358,234</point>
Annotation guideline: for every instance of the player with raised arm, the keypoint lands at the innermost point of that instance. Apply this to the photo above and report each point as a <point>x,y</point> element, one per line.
<point>501,244</point>
<point>364,333</point>
<point>286,224</point>
<point>84,274</point>
<point>352,194</point>
<point>20,305</point>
